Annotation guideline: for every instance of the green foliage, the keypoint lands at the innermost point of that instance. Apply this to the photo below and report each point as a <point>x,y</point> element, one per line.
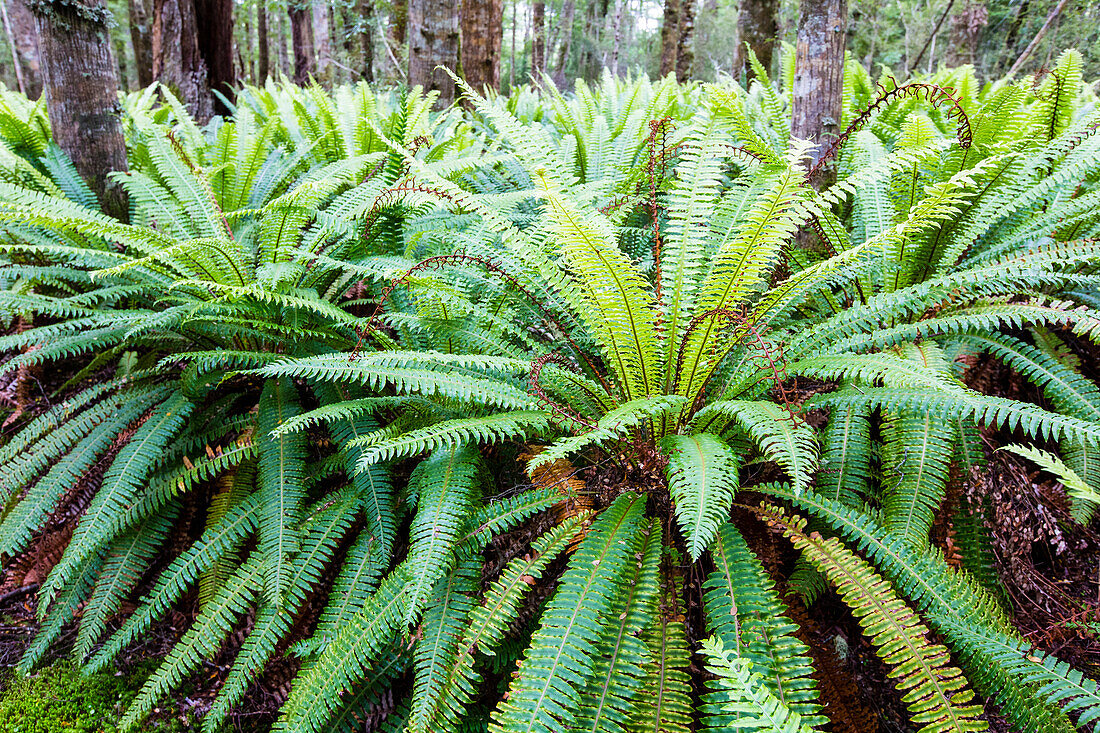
<point>300,388</point>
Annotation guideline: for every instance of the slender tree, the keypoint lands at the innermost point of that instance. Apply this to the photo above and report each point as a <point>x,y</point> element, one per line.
<point>19,26</point>
<point>685,41</point>
<point>538,36</point>
<point>263,53</point>
<point>142,41</point>
<point>616,36</point>
<point>80,81</point>
<point>366,38</point>
<point>670,36</point>
<point>301,38</point>
<point>568,11</point>
<point>433,41</point>
<point>817,105</point>
<point>280,38</point>
<point>758,23</point>
<point>322,19</point>
<point>482,24</point>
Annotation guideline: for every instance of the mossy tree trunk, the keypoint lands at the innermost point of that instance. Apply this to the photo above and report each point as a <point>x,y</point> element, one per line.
<point>141,38</point>
<point>214,21</point>
<point>433,41</point>
<point>759,26</point>
<point>177,60</point>
<point>80,80</point>
<point>263,53</point>
<point>538,39</point>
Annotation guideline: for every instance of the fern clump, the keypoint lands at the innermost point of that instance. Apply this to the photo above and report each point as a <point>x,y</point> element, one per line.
<point>462,419</point>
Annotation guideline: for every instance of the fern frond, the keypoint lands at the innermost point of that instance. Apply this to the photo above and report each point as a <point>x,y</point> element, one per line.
<point>744,610</point>
<point>934,691</point>
<point>783,438</point>
<point>751,701</point>
<point>546,696</point>
<point>702,479</point>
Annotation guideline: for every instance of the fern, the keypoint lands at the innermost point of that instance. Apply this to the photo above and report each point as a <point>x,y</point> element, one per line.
<point>702,480</point>
<point>751,700</point>
<point>934,691</point>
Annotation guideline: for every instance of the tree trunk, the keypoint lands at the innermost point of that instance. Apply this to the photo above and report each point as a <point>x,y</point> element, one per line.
<point>322,17</point>
<point>433,41</point>
<point>817,105</point>
<point>616,36</point>
<point>245,51</point>
<point>214,19</point>
<point>366,38</point>
<point>759,29</point>
<point>123,67</point>
<point>141,39</point>
<point>20,27</point>
<point>670,36</point>
<point>538,36</point>
<point>568,10</point>
<point>81,86</point>
<point>685,43</point>
<point>482,36</point>
<point>177,61</point>
<point>399,22</point>
<point>301,37</point>
<point>263,53</point>
<point>281,68</point>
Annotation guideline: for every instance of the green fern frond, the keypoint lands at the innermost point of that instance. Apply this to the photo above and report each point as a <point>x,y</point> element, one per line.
<point>744,611</point>
<point>783,438</point>
<point>934,691</point>
<point>546,696</point>
<point>751,701</point>
<point>702,479</point>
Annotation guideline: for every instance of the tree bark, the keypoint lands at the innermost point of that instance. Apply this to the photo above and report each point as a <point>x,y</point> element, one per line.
<point>670,36</point>
<point>817,104</point>
<point>616,36</point>
<point>301,37</point>
<point>21,32</point>
<point>482,36</point>
<point>366,38</point>
<point>263,52</point>
<point>177,60</point>
<point>568,11</point>
<point>141,39</point>
<point>80,80</point>
<point>214,20</point>
<point>433,41</point>
<point>538,36</point>
<point>685,42</point>
<point>322,17</point>
<point>281,68</point>
<point>399,22</point>
<point>759,25</point>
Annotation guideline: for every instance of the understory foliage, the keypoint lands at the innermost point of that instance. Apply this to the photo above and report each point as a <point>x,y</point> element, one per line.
<point>462,420</point>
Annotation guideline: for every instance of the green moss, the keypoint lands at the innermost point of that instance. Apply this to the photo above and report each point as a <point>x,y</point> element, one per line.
<point>59,699</point>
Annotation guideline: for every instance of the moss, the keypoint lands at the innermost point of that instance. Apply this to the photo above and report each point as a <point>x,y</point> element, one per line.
<point>59,699</point>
